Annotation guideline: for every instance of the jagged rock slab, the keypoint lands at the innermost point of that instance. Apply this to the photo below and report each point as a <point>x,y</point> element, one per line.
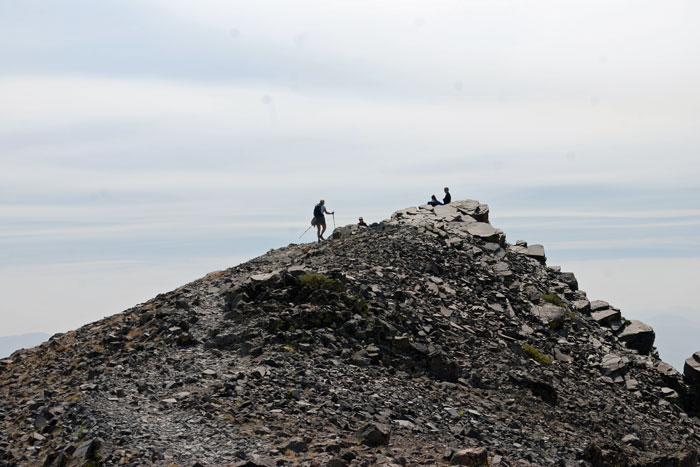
<point>606,316</point>
<point>691,369</point>
<point>536,252</point>
<point>639,336</point>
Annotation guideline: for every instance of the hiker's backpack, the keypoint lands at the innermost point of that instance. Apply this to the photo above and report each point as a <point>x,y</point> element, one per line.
<point>318,210</point>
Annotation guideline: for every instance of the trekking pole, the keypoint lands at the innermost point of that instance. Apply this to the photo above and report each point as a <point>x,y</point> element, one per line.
<point>333,221</point>
<point>305,231</point>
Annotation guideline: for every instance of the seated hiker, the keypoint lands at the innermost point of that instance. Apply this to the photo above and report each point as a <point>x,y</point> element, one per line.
<point>319,219</point>
<point>434,201</point>
<point>361,222</point>
<point>448,196</point>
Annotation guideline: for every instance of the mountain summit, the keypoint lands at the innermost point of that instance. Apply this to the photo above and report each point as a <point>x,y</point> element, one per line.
<point>425,339</point>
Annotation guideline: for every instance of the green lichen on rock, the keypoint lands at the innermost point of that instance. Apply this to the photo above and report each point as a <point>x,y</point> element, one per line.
<point>536,355</point>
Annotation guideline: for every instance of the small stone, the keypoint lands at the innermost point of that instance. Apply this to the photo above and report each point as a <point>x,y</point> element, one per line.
<point>470,456</point>
<point>374,434</point>
<point>296,446</point>
<point>632,440</point>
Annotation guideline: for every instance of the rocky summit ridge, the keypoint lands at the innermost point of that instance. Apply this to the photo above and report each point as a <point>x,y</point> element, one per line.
<point>425,339</point>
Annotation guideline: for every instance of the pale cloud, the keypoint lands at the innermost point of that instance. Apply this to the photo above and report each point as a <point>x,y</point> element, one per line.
<point>641,287</point>
<point>136,133</point>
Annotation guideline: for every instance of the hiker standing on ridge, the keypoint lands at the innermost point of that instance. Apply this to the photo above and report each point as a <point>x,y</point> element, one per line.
<point>319,219</point>
<point>448,196</point>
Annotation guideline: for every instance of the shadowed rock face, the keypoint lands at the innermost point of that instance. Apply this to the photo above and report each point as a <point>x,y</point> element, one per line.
<point>418,340</point>
<point>639,336</point>
<point>691,369</point>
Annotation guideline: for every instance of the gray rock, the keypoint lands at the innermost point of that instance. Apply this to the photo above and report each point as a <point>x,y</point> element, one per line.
<point>337,462</point>
<point>569,279</point>
<point>613,363</point>
<point>691,369</point>
<point>485,231</point>
<point>374,434</point>
<point>604,317</point>
<point>638,336</point>
<point>257,461</point>
<point>448,213</point>
<point>536,252</point>
<point>669,394</point>
<point>597,305</point>
<point>549,314</point>
<point>470,456</point>
<point>632,440</point>
<point>344,231</point>
<point>582,306</point>
<point>87,451</point>
<point>297,446</point>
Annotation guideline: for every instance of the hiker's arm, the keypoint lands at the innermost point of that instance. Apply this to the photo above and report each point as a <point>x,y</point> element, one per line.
<point>328,212</point>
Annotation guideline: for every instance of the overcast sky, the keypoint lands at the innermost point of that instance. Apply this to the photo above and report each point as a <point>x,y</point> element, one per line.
<point>146,143</point>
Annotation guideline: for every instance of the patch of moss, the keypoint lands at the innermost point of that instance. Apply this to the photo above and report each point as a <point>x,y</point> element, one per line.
<point>319,281</point>
<point>536,355</point>
<point>356,304</point>
<point>553,299</point>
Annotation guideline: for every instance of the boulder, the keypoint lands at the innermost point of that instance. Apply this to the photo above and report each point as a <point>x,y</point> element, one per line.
<point>536,252</point>
<point>485,232</point>
<point>374,434</point>
<point>691,369</point>
<point>344,231</point>
<point>86,452</point>
<point>597,305</point>
<point>472,208</point>
<point>447,213</point>
<point>582,306</point>
<point>470,456</point>
<point>612,364</point>
<point>549,314</point>
<point>604,317</point>
<point>638,336</point>
<point>569,279</point>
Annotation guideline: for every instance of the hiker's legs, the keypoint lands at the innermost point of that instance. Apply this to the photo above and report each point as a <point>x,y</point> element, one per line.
<point>324,230</point>
<point>318,231</point>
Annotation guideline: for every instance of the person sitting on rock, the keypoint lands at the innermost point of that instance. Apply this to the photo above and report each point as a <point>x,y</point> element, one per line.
<point>361,222</point>
<point>319,219</point>
<point>434,201</point>
<point>448,196</point>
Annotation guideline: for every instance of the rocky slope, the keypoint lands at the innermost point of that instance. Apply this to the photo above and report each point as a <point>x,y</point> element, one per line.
<point>422,340</point>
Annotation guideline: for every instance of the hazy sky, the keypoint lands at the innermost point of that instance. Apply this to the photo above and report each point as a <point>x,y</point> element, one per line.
<point>146,143</point>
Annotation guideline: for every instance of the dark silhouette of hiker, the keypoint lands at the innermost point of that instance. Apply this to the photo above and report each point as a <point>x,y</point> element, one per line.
<point>448,196</point>
<point>361,222</point>
<point>319,219</point>
<point>434,201</point>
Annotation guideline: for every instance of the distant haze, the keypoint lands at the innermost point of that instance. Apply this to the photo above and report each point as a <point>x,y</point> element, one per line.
<point>146,143</point>
<point>9,344</point>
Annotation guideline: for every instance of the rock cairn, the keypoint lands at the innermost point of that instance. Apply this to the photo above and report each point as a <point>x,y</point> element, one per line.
<point>425,339</point>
